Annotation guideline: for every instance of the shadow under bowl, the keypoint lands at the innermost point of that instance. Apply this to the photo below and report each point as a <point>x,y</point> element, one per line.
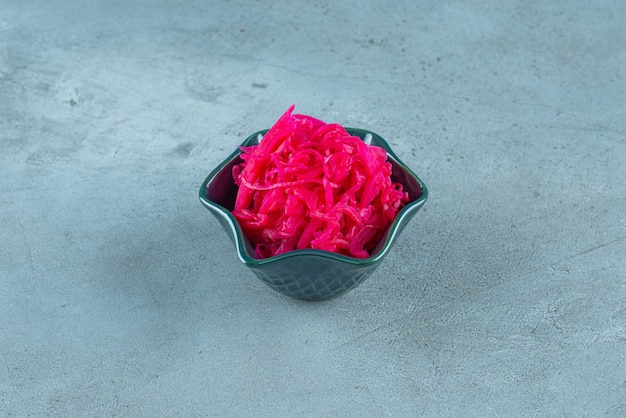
<point>309,274</point>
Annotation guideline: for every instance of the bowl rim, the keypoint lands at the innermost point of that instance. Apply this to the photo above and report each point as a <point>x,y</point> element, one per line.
<point>240,238</point>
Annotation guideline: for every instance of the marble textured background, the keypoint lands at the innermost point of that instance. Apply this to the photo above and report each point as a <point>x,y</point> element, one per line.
<point>121,296</point>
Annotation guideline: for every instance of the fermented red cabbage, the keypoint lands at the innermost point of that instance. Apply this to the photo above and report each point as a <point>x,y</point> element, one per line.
<point>310,184</point>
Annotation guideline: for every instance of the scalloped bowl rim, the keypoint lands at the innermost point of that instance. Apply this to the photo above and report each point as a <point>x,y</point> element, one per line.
<point>240,237</point>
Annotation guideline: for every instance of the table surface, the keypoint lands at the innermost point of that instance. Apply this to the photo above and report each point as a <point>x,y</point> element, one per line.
<point>122,296</point>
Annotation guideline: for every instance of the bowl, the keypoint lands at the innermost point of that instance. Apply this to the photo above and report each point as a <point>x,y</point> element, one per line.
<point>309,274</point>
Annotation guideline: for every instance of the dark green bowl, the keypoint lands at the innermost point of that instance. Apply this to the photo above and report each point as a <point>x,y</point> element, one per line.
<point>309,274</point>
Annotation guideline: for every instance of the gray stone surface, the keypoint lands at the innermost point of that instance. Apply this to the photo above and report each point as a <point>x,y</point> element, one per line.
<point>121,296</point>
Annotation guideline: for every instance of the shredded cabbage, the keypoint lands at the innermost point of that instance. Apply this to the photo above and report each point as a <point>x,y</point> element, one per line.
<point>309,184</point>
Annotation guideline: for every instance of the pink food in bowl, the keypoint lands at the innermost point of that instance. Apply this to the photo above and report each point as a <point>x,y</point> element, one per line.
<point>310,184</point>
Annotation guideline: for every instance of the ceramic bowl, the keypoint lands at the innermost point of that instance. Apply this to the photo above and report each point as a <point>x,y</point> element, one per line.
<point>309,274</point>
